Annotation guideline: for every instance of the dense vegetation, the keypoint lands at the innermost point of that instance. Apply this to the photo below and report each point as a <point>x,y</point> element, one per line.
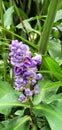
<point>30,64</point>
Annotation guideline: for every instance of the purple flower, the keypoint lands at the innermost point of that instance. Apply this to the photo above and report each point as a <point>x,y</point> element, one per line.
<point>33,81</point>
<point>20,83</point>
<point>25,69</point>
<point>30,74</point>
<point>18,70</point>
<point>22,98</point>
<point>39,76</point>
<point>27,62</point>
<point>28,92</point>
<point>36,87</point>
<point>19,80</point>
<point>37,59</point>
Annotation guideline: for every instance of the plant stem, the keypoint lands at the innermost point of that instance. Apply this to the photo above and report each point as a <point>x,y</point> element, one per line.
<point>11,4</point>
<point>43,42</point>
<point>1,12</point>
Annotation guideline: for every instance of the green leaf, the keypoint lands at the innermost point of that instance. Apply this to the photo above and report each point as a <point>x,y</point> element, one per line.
<point>40,97</point>
<point>16,123</point>
<point>53,66</point>
<point>58,15</point>
<point>54,49</point>
<point>4,43</point>
<point>8,17</point>
<point>45,128</point>
<point>5,88</point>
<point>52,114</point>
<point>54,85</point>
<point>56,97</point>
<point>8,98</point>
<point>60,27</point>
<point>27,26</point>
<point>19,112</point>
<point>46,90</point>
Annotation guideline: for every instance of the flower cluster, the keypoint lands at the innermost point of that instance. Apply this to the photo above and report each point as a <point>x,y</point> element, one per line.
<point>25,69</point>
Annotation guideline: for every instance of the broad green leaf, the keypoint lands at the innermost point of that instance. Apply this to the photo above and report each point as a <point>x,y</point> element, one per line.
<point>54,49</point>
<point>53,85</point>
<point>56,97</point>
<point>5,88</point>
<point>58,15</point>
<point>8,101</point>
<point>53,66</point>
<point>46,90</point>
<point>8,17</point>
<point>16,123</point>
<point>52,114</point>
<point>38,98</point>
<point>8,98</point>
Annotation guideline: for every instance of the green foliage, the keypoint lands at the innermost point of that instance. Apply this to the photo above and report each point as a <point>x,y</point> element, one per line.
<point>16,124</point>
<point>54,67</point>
<point>53,115</point>
<point>8,98</point>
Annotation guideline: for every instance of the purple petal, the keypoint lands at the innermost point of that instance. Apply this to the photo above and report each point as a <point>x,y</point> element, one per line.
<point>18,70</point>
<point>22,98</point>
<point>36,86</point>
<point>27,61</point>
<point>39,76</point>
<point>37,59</point>
<point>28,92</point>
<point>33,81</point>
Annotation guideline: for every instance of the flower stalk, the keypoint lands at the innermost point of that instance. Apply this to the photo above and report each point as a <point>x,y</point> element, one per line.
<point>43,42</point>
